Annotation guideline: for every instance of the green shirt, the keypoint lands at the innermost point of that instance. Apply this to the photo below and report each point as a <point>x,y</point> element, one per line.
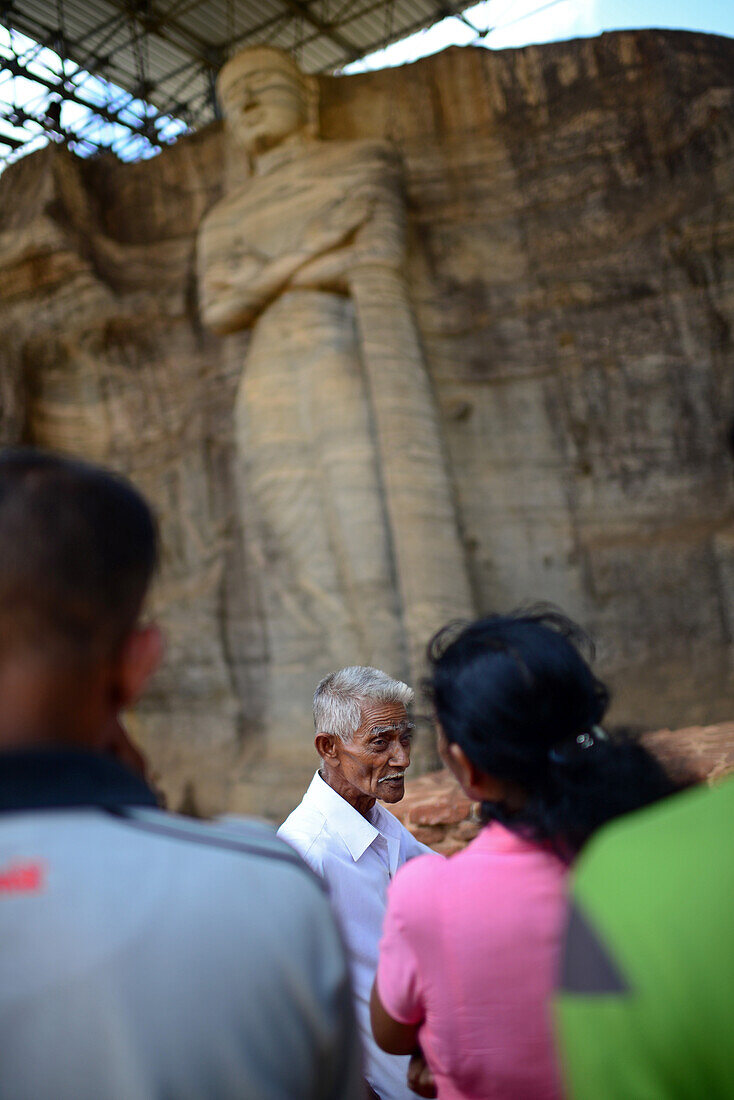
<point>646,1005</point>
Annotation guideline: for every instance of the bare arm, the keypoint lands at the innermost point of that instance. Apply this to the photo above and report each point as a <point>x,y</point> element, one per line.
<point>391,1036</point>
<point>397,1038</point>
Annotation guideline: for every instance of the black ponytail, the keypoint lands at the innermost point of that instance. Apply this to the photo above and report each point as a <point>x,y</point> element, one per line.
<point>515,692</point>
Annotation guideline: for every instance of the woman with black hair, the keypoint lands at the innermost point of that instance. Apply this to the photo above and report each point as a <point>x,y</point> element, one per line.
<point>470,944</point>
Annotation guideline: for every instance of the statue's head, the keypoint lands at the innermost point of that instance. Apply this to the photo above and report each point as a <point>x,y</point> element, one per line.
<point>264,97</point>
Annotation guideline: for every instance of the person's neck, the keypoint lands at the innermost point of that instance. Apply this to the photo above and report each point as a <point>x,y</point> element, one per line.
<point>43,707</point>
<point>362,803</point>
<point>281,154</point>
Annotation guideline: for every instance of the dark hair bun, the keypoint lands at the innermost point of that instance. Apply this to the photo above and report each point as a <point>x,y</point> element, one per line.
<point>517,694</point>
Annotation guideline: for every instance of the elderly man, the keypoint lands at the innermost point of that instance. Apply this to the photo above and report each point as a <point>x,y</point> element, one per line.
<point>363,737</point>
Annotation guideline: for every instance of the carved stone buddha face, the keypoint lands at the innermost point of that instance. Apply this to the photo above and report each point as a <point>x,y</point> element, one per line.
<point>263,97</point>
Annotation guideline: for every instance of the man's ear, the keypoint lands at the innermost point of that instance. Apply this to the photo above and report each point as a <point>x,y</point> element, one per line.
<point>326,747</point>
<point>141,654</point>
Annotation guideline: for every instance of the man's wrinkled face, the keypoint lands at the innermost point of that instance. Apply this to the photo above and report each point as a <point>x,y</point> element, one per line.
<point>374,762</point>
<point>263,106</point>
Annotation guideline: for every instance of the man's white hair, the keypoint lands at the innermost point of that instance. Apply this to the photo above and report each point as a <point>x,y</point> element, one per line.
<point>339,698</point>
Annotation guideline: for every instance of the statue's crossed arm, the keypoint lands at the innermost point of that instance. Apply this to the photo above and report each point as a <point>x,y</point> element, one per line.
<point>238,281</point>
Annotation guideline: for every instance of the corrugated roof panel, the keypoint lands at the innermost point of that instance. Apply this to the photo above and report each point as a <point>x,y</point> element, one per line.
<point>202,30</point>
<point>420,11</point>
<point>179,45</point>
<point>318,55</point>
<point>330,58</point>
<point>258,19</point>
<point>210,21</point>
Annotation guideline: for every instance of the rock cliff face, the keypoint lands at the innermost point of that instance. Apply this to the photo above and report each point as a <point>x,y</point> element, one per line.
<point>571,272</point>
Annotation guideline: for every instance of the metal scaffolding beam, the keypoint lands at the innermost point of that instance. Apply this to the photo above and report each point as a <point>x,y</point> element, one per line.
<point>167,52</point>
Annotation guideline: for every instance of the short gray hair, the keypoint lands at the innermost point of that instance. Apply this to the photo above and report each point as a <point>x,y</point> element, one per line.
<point>339,698</point>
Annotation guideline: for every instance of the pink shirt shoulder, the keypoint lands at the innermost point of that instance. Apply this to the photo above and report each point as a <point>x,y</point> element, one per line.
<point>469,950</point>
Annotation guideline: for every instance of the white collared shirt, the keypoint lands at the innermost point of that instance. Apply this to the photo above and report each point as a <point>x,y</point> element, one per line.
<point>357,858</point>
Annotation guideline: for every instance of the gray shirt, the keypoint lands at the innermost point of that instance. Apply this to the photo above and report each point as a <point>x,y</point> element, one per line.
<point>145,956</point>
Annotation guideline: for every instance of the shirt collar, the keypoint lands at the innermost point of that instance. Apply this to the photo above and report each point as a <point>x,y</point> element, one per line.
<point>356,831</point>
<point>389,826</point>
<point>49,778</point>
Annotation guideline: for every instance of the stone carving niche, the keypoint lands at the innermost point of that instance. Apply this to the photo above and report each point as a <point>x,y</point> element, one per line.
<point>389,349</point>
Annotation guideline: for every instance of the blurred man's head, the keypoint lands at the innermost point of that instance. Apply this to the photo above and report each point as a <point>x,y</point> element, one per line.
<point>78,547</point>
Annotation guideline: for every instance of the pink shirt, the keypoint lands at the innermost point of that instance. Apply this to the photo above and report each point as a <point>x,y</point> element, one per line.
<point>470,947</point>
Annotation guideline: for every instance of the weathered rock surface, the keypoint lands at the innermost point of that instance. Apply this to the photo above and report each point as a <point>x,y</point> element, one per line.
<point>703,753</point>
<point>570,265</point>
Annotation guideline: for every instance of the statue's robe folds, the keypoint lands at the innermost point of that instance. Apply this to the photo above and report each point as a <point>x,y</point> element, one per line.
<point>310,480</point>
